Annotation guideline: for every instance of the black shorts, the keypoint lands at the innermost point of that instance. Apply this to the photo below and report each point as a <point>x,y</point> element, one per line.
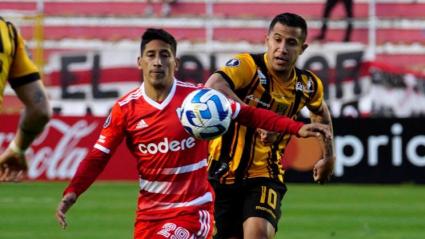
<point>254,198</point>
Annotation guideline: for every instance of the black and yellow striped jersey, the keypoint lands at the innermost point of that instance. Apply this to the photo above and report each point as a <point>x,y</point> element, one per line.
<point>15,65</point>
<point>250,78</point>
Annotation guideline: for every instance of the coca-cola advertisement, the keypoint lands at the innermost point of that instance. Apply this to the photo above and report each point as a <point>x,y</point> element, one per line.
<point>367,151</point>
<point>57,152</point>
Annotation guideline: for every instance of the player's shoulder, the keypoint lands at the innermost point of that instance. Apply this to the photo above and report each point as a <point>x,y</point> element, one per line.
<point>311,83</point>
<point>5,24</point>
<point>240,58</point>
<point>186,87</point>
<point>307,75</point>
<point>3,21</point>
<point>129,97</point>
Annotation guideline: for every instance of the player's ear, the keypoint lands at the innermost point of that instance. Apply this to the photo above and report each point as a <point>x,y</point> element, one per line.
<point>139,63</point>
<point>177,64</point>
<point>303,47</point>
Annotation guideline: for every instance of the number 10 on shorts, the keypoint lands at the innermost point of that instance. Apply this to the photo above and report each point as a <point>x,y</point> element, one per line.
<point>269,196</point>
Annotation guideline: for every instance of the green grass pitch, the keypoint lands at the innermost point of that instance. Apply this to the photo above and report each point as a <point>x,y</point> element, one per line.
<point>333,211</point>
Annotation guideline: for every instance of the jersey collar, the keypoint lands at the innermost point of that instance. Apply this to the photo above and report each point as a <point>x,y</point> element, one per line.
<point>164,103</point>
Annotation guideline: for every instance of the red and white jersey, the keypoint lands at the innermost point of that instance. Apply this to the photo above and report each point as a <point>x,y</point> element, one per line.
<point>172,165</point>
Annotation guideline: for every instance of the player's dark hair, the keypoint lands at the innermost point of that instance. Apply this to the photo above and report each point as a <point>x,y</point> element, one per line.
<point>291,20</point>
<point>158,34</point>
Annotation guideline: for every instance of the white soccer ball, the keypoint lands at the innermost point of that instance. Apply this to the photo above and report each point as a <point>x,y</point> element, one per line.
<point>205,113</point>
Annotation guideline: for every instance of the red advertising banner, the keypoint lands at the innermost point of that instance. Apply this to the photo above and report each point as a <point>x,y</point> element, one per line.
<point>57,152</point>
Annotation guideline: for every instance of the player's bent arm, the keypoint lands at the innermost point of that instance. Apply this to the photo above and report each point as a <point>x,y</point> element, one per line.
<point>36,114</point>
<point>217,82</point>
<point>323,116</point>
<point>323,169</point>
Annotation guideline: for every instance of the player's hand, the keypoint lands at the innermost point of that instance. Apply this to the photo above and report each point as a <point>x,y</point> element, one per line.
<point>267,137</point>
<point>323,170</point>
<point>65,204</point>
<point>13,166</point>
<point>315,130</point>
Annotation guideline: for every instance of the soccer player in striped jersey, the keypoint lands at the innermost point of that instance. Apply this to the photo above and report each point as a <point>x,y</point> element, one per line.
<point>175,198</point>
<point>245,164</point>
<point>17,68</point>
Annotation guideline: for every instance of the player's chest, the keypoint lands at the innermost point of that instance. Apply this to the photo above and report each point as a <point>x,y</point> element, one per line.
<point>152,125</point>
<point>279,98</point>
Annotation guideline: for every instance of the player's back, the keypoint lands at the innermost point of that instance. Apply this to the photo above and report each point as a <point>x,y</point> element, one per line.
<point>172,164</point>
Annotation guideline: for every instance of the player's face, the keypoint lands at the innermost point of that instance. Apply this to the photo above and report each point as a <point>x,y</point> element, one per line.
<point>284,45</point>
<point>158,64</point>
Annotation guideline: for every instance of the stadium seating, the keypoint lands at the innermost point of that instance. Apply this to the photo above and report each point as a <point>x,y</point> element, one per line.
<point>402,22</point>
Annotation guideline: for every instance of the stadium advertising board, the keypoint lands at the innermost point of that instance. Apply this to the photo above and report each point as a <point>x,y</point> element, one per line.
<point>368,151</point>
<point>376,150</point>
<point>57,152</point>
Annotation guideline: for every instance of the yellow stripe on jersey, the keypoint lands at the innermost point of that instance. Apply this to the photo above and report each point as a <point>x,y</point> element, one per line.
<point>241,147</point>
<point>15,65</point>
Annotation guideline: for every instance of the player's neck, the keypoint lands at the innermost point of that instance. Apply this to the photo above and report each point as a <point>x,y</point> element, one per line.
<point>284,76</point>
<point>157,93</point>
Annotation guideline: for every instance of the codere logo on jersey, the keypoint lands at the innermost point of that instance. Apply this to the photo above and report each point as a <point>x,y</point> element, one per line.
<point>165,146</point>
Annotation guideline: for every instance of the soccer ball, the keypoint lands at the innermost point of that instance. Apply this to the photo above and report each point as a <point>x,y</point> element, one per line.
<point>205,113</point>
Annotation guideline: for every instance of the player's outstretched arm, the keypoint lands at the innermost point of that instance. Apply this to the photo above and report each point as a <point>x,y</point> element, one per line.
<point>271,121</point>
<point>64,205</point>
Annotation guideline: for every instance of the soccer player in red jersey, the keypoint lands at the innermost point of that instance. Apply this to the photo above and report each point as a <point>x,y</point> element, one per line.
<point>175,198</point>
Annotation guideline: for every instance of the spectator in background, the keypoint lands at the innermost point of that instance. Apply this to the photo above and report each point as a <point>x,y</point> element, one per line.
<point>165,9</point>
<point>17,68</point>
<point>329,6</point>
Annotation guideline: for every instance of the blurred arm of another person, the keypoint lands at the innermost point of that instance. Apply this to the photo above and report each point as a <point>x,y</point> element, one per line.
<point>36,114</point>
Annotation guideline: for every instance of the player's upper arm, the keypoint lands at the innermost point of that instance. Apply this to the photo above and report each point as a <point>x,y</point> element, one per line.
<point>216,81</point>
<point>33,95</point>
<point>23,69</point>
<point>237,73</point>
<point>113,131</point>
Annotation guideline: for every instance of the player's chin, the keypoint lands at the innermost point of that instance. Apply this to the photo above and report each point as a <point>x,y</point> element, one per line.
<point>157,75</point>
<point>280,67</point>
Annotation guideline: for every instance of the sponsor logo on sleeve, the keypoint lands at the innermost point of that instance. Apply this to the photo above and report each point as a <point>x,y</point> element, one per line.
<point>107,121</point>
<point>233,62</point>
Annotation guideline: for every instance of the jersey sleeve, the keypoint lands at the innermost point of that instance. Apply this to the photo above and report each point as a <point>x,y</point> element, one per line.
<point>91,167</point>
<point>264,119</point>
<point>113,131</point>
<point>316,99</point>
<point>239,71</point>
<point>23,69</point>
